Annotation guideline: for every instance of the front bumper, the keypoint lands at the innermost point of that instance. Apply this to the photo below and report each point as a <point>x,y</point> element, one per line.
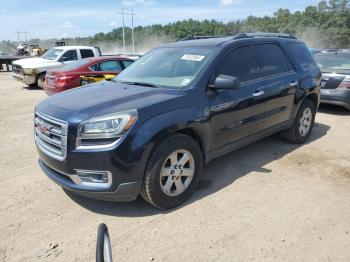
<point>336,97</point>
<point>27,79</point>
<point>123,193</point>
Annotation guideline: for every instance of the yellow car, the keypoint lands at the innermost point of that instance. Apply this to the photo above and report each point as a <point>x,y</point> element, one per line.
<point>86,80</point>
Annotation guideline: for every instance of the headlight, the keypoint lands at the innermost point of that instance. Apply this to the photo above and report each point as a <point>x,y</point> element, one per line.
<point>107,127</point>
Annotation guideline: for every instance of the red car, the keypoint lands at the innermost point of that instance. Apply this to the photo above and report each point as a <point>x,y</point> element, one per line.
<point>67,77</point>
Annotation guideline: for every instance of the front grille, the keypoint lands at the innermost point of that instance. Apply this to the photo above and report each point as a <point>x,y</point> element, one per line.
<point>17,69</point>
<point>51,136</point>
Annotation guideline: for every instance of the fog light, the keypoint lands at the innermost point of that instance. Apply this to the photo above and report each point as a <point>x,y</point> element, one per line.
<point>89,177</point>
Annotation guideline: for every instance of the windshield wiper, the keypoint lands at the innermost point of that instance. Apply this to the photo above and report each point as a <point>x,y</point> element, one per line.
<point>140,84</point>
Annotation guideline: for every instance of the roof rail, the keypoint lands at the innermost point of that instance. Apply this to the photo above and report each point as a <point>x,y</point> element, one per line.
<point>251,35</point>
<point>198,37</point>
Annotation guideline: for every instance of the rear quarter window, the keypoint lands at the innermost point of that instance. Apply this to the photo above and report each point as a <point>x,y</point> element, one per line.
<point>302,55</point>
<point>126,63</point>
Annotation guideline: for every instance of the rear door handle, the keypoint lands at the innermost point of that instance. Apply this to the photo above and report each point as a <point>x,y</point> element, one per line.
<point>258,93</point>
<point>293,84</point>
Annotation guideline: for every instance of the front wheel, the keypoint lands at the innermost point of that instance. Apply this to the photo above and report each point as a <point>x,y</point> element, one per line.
<point>41,80</point>
<point>303,124</point>
<point>172,172</point>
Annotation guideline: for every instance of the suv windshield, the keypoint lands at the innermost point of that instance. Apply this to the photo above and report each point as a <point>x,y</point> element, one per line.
<point>52,54</point>
<point>168,67</point>
<point>333,61</point>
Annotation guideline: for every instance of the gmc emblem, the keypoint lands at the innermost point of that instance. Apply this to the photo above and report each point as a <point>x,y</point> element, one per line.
<point>44,129</point>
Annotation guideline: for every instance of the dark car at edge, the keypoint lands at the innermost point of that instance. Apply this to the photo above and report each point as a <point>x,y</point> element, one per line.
<point>335,85</point>
<point>151,130</point>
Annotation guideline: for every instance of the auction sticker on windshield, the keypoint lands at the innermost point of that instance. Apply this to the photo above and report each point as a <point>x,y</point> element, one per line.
<point>197,58</point>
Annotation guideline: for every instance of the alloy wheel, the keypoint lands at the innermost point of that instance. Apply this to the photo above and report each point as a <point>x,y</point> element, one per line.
<point>305,122</point>
<point>177,172</point>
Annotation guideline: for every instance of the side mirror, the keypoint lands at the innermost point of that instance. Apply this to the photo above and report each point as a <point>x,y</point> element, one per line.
<point>226,82</point>
<point>63,59</point>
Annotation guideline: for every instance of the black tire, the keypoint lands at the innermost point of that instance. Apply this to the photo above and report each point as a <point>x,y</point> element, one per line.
<point>293,134</point>
<point>32,85</point>
<point>41,80</point>
<point>152,191</point>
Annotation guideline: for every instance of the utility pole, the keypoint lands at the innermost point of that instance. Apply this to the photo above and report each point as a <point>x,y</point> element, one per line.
<point>123,29</point>
<point>132,31</point>
<point>20,33</point>
<point>132,14</point>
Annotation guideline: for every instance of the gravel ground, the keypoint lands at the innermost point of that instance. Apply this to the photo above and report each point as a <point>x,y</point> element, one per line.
<point>269,201</point>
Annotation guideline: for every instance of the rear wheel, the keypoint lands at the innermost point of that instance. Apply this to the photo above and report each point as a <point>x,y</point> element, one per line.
<point>303,123</point>
<point>172,172</point>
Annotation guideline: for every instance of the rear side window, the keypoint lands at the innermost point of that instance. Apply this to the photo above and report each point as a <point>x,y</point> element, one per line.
<point>239,63</point>
<point>302,54</point>
<point>111,66</point>
<point>271,59</point>
<point>94,67</point>
<point>85,53</point>
<point>126,63</point>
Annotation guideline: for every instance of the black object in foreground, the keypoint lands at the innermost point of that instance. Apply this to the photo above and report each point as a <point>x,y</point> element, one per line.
<point>103,245</point>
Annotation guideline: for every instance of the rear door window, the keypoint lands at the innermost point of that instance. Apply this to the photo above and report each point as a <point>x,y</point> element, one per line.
<point>85,53</point>
<point>110,66</point>
<point>271,59</point>
<point>302,54</point>
<point>239,63</point>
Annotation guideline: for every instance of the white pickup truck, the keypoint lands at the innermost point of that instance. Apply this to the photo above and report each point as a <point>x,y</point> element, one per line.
<point>32,70</point>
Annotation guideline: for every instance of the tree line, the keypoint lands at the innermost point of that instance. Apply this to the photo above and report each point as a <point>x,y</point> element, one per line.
<point>326,25</point>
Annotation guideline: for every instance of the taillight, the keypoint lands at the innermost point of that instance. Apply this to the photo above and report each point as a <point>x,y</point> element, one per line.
<point>64,78</point>
<point>345,84</point>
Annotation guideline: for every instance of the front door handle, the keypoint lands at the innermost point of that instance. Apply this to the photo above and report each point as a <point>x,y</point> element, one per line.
<point>259,93</point>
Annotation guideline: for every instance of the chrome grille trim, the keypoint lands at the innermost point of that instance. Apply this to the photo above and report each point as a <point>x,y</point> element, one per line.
<point>51,136</point>
<point>17,69</point>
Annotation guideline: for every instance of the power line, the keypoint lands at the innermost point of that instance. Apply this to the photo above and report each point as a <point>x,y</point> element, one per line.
<point>20,33</point>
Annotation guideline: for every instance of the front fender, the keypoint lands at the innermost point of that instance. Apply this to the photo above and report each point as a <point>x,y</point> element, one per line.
<point>151,132</point>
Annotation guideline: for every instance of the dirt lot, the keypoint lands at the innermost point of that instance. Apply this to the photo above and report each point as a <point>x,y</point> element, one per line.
<point>269,201</point>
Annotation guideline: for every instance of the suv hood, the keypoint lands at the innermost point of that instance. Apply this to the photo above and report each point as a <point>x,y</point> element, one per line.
<point>34,62</point>
<point>101,99</point>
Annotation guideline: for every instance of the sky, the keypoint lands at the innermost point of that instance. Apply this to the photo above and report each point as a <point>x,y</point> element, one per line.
<point>70,18</point>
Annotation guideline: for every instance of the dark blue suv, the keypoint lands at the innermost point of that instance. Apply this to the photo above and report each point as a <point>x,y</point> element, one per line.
<point>151,129</point>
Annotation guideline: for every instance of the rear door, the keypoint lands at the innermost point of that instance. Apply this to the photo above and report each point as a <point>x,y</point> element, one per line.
<point>236,114</point>
<point>278,82</point>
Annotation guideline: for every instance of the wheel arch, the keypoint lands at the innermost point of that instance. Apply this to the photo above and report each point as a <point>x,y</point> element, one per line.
<point>155,130</point>
<point>314,99</point>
